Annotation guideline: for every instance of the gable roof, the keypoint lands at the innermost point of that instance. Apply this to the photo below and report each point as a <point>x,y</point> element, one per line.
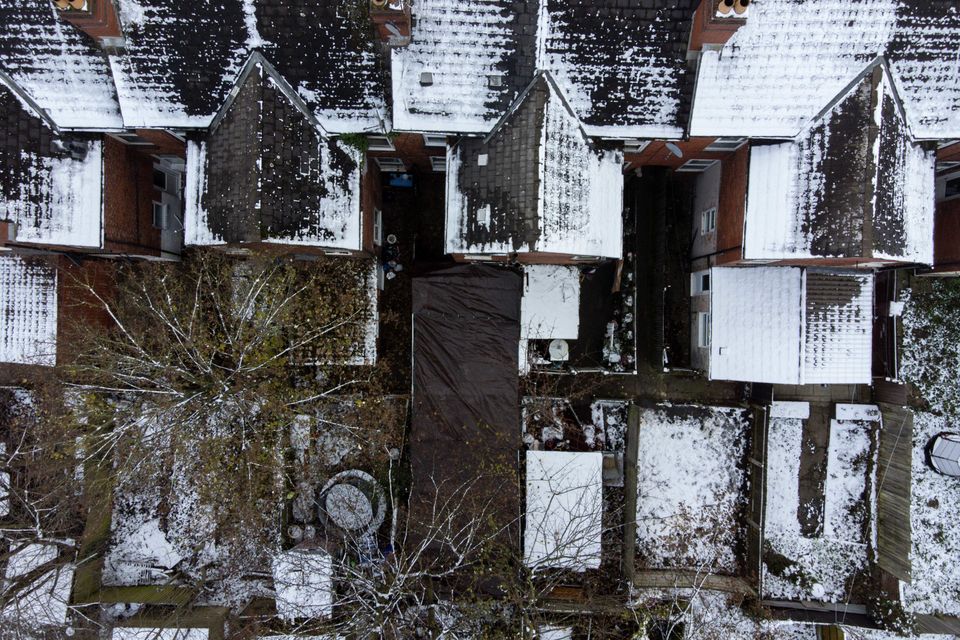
<point>791,58</point>
<point>183,57</point>
<point>852,185</point>
<point>28,312</point>
<point>50,184</point>
<point>544,187</point>
<point>266,172</point>
<point>621,65</point>
<point>787,325</point>
<point>57,66</point>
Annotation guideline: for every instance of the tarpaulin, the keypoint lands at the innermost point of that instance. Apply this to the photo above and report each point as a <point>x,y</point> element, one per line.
<point>465,433</point>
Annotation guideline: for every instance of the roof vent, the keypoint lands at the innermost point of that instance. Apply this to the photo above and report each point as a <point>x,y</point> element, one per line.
<point>482,160</point>
<point>426,79</point>
<point>483,216</point>
<point>495,81</point>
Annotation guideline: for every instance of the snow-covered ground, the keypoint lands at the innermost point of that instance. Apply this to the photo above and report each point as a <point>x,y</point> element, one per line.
<point>691,486</point>
<point>821,567</point>
<point>931,359</point>
<point>159,529</point>
<point>934,505</point>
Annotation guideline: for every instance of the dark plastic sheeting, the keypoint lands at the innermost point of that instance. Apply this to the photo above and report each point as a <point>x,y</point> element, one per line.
<point>466,330</point>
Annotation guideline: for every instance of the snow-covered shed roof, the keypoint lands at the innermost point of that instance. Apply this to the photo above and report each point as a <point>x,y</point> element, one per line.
<point>792,57</point>
<point>303,581</point>
<point>622,65</point>
<point>564,510</point>
<point>550,306</point>
<point>266,171</point>
<point>852,185</point>
<point>535,183</point>
<point>50,184</point>
<point>787,325</point>
<point>44,600</point>
<point>57,66</point>
<point>183,57</point>
<point>28,312</point>
<point>156,633</point>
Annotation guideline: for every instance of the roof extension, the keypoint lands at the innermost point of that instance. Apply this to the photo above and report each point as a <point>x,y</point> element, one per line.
<point>787,325</point>
<point>50,184</point>
<point>791,57</point>
<point>183,57</point>
<point>28,312</point>
<point>535,184</point>
<point>621,64</point>
<point>852,185</point>
<point>267,172</point>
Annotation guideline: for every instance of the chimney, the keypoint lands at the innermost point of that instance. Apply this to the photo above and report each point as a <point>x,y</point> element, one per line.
<point>8,233</point>
<point>714,22</point>
<point>392,21</point>
<point>96,18</point>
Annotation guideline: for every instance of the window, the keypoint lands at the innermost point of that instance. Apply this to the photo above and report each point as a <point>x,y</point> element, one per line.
<point>952,188</point>
<point>438,163</point>
<point>696,166</point>
<point>380,143</point>
<point>377,227</point>
<point>132,139</point>
<point>699,282</point>
<point>726,144</point>
<point>159,215</point>
<point>703,329</point>
<point>390,164</point>
<point>947,165</point>
<point>336,252</point>
<point>430,140</point>
<point>635,146</point>
<point>160,180</point>
<point>708,221</point>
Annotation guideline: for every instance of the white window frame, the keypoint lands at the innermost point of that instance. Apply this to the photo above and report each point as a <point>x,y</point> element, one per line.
<point>704,330</point>
<point>696,165</point>
<point>377,227</point>
<point>131,139</point>
<point>164,210</point>
<point>166,178</point>
<point>438,163</point>
<point>395,165</point>
<point>337,252</point>
<point>635,146</point>
<point>434,140</point>
<point>380,143</point>
<point>708,221</point>
<point>721,145</point>
<point>697,281</point>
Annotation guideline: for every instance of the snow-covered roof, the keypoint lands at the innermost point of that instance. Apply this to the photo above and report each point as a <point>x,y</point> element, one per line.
<point>303,580</point>
<point>28,312</point>
<point>151,633</point>
<point>851,185</point>
<point>535,184</point>
<point>550,307</point>
<point>267,172</point>
<point>790,59</point>
<point>183,57</point>
<point>50,184</point>
<point>45,600</point>
<point>787,325</point>
<point>623,67</point>
<point>57,66</point>
<point>564,510</point>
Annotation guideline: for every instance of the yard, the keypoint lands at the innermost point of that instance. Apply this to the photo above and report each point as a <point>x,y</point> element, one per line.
<point>822,565</point>
<point>691,487</point>
<point>931,325</point>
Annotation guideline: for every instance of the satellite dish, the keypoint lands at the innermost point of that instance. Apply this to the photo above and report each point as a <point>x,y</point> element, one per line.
<point>674,149</point>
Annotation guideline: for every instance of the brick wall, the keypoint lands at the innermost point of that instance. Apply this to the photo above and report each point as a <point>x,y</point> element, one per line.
<point>656,153</point>
<point>946,236</point>
<point>78,309</point>
<point>410,148</point>
<point>128,201</point>
<point>370,200</point>
<point>734,174</point>
<point>708,29</point>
